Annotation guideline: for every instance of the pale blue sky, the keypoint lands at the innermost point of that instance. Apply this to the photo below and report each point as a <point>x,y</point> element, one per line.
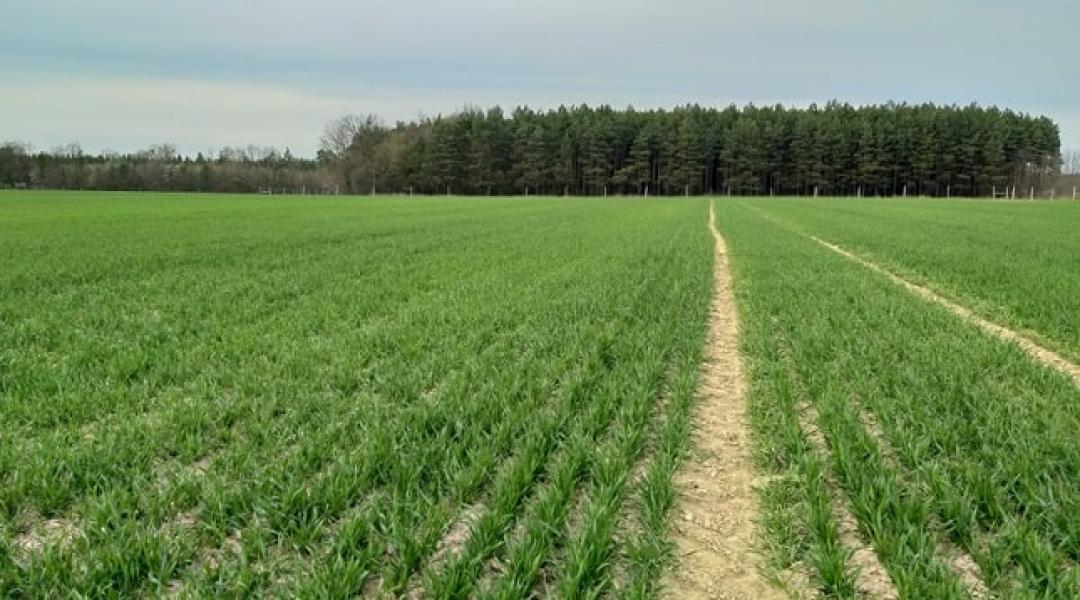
<point>122,74</point>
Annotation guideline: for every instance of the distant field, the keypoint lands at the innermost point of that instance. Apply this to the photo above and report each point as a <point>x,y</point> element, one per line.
<point>230,396</point>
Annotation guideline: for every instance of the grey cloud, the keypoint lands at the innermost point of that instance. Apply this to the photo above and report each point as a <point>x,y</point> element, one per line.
<point>338,53</point>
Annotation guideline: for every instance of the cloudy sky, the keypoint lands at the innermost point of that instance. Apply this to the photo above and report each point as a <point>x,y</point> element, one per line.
<point>123,74</point>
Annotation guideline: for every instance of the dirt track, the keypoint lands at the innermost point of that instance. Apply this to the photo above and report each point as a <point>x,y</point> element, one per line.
<point>714,521</point>
<point>1044,355</point>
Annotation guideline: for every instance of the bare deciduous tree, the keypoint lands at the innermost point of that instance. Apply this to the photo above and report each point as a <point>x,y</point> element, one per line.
<point>1070,162</point>
<point>339,134</point>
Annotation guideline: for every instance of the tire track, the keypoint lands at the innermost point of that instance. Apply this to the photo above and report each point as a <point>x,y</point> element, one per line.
<point>714,533</point>
<point>1038,352</point>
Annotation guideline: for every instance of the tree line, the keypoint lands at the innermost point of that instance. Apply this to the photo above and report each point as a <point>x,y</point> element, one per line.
<point>161,168</point>
<point>836,149</point>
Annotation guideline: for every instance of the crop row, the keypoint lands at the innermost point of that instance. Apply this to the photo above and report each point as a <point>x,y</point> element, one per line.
<point>235,396</point>
<point>1016,263</point>
<point>947,444</point>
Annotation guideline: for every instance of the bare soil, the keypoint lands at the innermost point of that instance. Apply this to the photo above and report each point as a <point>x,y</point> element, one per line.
<point>714,530</point>
<point>45,533</point>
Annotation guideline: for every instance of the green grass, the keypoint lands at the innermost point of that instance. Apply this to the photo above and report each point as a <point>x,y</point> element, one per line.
<point>979,440</point>
<point>1017,263</point>
<point>235,396</point>
<point>226,396</point>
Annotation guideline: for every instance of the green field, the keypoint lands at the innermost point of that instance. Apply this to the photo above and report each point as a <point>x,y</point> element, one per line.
<point>1015,262</point>
<point>943,439</point>
<point>250,395</point>
<point>444,397</point>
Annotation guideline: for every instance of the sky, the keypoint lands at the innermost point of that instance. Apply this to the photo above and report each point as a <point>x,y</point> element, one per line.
<point>124,74</point>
